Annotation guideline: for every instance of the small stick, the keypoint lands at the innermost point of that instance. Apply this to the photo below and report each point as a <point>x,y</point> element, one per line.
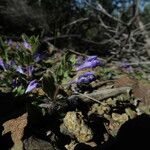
<point>102,94</point>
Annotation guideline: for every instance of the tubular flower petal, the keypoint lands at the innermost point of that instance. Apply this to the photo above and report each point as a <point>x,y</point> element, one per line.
<point>127,67</point>
<point>90,62</point>
<point>26,45</point>
<point>32,85</point>
<point>86,78</point>
<point>90,58</point>
<point>38,57</point>
<point>20,70</point>
<point>2,64</point>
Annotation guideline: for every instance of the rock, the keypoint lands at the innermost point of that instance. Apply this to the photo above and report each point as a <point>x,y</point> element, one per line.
<point>113,128</point>
<point>121,118</point>
<point>34,143</point>
<point>75,124</point>
<point>144,109</point>
<point>116,122</point>
<point>71,145</point>
<point>111,102</point>
<point>16,127</point>
<point>99,109</point>
<point>132,114</point>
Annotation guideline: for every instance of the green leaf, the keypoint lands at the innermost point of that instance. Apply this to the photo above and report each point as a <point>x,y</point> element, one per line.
<point>66,74</point>
<point>73,59</point>
<point>20,90</point>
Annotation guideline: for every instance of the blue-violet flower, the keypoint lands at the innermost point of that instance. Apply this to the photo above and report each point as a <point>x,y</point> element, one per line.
<point>86,78</point>
<point>20,70</point>
<point>26,45</point>
<point>2,64</point>
<point>90,62</point>
<point>126,66</point>
<point>32,85</point>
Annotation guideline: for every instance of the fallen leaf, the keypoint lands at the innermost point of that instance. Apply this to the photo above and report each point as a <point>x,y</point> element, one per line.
<point>16,127</point>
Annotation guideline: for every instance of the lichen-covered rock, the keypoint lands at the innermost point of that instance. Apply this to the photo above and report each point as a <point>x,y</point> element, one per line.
<point>111,102</point>
<point>99,109</point>
<point>71,145</point>
<point>113,127</point>
<point>132,114</point>
<point>75,124</point>
<point>121,118</point>
<point>115,123</point>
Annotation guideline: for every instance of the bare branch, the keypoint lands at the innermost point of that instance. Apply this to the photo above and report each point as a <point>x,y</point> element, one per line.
<point>102,94</point>
<point>75,22</point>
<point>102,10</point>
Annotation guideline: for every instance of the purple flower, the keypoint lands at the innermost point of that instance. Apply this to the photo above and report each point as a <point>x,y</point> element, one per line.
<point>32,85</point>
<point>26,45</point>
<point>91,58</point>
<point>7,65</point>
<point>38,57</point>
<point>90,62</point>
<point>2,64</point>
<point>28,70</point>
<point>20,70</point>
<point>86,78</point>
<point>126,66</point>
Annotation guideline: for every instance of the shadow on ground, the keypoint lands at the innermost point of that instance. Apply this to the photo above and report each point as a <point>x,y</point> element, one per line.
<point>133,135</point>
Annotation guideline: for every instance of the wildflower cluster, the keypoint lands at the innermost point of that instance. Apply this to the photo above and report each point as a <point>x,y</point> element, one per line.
<point>90,62</point>
<point>87,77</point>
<point>17,73</point>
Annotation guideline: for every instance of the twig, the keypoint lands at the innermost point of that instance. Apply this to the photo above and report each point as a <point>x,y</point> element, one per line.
<point>88,97</point>
<point>75,22</point>
<point>77,53</point>
<point>84,55</point>
<point>63,36</point>
<point>102,10</point>
<point>102,94</point>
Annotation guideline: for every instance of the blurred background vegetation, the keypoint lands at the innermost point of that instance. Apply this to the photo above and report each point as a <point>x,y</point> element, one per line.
<point>117,28</point>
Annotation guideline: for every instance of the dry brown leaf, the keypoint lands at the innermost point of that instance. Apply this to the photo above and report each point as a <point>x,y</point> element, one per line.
<point>16,127</point>
<point>125,80</point>
<point>141,89</point>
